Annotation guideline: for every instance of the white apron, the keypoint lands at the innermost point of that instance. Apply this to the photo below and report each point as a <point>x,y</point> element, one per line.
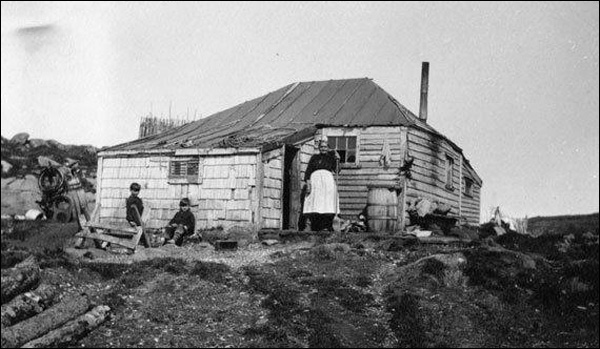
<point>323,197</point>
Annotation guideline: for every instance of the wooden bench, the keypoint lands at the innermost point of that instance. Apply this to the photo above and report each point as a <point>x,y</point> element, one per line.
<point>126,236</point>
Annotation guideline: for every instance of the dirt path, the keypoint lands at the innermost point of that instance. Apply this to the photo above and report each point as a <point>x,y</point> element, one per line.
<point>253,254</point>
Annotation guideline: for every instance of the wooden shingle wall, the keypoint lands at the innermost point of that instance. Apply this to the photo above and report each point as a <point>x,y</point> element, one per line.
<point>117,175</point>
<point>272,188</point>
<point>228,191</point>
<point>224,196</point>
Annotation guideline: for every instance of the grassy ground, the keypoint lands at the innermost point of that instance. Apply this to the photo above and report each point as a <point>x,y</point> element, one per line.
<point>338,291</point>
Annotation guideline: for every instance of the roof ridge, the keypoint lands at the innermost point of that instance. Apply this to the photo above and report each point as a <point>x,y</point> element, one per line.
<point>327,80</point>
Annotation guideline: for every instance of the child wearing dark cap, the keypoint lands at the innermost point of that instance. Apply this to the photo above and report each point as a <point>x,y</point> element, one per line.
<point>182,224</point>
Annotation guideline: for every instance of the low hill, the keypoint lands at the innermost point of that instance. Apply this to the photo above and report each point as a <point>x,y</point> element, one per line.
<point>563,225</point>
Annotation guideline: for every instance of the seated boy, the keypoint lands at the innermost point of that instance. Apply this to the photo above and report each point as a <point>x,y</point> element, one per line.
<point>182,224</point>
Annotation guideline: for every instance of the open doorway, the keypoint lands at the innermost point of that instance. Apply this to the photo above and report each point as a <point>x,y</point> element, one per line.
<point>291,188</point>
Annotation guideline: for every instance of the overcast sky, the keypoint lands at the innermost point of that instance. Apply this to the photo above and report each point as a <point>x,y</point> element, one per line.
<point>514,84</point>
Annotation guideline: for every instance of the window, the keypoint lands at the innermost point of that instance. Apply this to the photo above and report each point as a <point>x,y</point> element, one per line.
<point>346,147</point>
<point>449,172</point>
<point>468,186</point>
<point>185,169</point>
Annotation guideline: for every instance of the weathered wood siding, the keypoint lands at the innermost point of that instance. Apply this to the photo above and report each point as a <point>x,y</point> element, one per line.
<point>470,205</point>
<point>429,174</point>
<point>224,196</point>
<point>353,180</point>
<point>240,189</point>
<point>272,189</point>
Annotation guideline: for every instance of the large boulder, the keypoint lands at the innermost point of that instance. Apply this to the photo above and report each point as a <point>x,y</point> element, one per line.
<point>20,138</point>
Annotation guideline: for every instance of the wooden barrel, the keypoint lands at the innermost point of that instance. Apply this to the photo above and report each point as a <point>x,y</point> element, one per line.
<point>382,208</point>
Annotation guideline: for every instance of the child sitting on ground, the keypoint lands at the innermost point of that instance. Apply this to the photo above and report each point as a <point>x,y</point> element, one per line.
<point>182,224</point>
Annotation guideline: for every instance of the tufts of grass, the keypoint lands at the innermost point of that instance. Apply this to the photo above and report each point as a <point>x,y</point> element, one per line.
<point>406,322</point>
<point>54,258</point>
<point>213,234</point>
<point>339,290</point>
<point>11,258</point>
<point>211,271</point>
<point>363,280</point>
<point>114,300</point>
<point>107,271</point>
<point>282,297</point>
<point>434,267</point>
<point>300,273</point>
<point>24,229</point>
<point>142,269</point>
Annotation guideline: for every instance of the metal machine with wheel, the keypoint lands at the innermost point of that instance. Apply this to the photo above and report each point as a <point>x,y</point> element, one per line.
<point>62,193</point>
<point>55,203</point>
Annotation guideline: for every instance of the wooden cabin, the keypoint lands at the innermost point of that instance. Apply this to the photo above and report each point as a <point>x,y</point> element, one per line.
<point>244,166</point>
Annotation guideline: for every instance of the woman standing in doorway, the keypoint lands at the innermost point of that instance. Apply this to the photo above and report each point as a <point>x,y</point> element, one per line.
<point>321,203</point>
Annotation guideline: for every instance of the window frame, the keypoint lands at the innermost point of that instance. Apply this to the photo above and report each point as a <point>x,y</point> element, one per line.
<point>449,172</point>
<point>194,178</point>
<point>337,133</point>
<point>468,187</point>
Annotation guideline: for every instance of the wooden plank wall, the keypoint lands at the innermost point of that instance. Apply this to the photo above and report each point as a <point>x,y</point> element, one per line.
<point>353,181</point>
<point>471,205</point>
<point>224,197</point>
<point>429,173</point>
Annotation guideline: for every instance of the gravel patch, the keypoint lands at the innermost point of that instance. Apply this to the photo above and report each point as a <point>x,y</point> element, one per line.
<point>252,254</point>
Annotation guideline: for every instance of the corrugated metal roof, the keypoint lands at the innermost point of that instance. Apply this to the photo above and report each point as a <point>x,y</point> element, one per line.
<point>286,111</point>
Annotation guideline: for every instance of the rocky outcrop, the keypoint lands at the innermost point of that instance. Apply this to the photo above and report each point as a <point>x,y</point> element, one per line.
<point>20,138</point>
<point>20,169</point>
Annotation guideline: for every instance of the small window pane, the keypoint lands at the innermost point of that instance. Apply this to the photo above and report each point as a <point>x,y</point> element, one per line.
<point>345,146</point>
<point>351,142</point>
<point>331,142</point>
<point>192,168</point>
<point>176,168</point>
<point>342,143</point>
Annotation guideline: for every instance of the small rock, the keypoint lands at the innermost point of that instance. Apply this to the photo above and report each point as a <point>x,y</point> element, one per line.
<point>270,242</point>
<point>6,166</point>
<point>34,215</point>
